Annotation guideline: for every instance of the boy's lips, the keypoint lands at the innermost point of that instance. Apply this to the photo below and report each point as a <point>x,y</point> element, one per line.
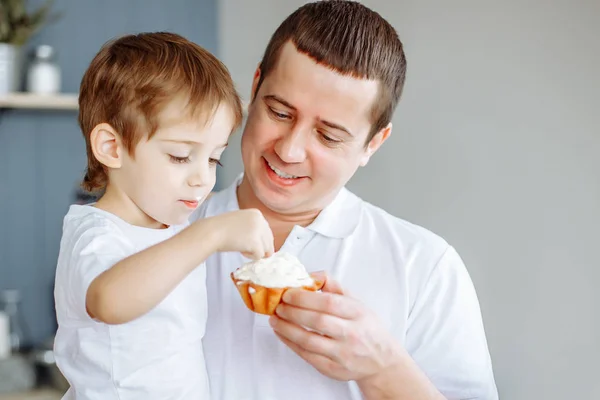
<point>190,203</point>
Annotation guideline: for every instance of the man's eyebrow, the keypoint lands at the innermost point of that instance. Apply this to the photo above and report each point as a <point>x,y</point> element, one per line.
<point>332,125</point>
<point>339,127</point>
<point>279,100</point>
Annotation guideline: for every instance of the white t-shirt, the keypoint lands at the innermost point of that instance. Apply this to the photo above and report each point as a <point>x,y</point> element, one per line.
<point>413,280</point>
<point>156,356</point>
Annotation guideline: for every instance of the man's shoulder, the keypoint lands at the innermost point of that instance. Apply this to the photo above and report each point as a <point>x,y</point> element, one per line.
<point>398,229</point>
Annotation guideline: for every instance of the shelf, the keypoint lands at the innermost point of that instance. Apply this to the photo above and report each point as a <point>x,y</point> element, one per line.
<point>62,101</point>
<point>22,100</point>
<point>40,394</point>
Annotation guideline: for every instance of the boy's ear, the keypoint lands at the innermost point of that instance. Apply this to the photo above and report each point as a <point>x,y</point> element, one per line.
<point>107,145</point>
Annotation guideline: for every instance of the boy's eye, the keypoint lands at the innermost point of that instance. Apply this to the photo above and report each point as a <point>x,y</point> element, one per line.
<point>214,161</point>
<point>179,160</point>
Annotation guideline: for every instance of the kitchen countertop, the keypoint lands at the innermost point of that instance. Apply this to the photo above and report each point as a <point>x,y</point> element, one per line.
<point>39,394</point>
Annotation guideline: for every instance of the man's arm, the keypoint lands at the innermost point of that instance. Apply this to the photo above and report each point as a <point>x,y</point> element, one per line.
<point>445,354</point>
<point>351,344</point>
<point>401,380</point>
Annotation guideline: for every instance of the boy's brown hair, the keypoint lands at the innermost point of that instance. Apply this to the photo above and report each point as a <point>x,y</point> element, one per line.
<point>352,40</point>
<point>134,77</point>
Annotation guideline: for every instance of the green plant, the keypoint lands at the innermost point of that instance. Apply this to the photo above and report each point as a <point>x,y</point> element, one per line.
<point>17,25</point>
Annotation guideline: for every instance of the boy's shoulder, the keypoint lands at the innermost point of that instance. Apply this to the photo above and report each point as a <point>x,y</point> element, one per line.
<point>85,221</point>
<point>84,217</point>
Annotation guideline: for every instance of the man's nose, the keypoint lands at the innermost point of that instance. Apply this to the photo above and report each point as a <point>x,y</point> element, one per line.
<point>291,147</point>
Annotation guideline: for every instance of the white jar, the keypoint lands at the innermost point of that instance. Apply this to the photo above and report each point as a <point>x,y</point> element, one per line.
<point>44,74</point>
<point>4,336</point>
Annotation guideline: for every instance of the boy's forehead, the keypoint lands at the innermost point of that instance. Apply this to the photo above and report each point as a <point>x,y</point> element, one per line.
<point>179,111</point>
<point>207,126</point>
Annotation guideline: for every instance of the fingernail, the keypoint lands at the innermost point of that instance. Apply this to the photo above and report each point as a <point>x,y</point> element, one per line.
<point>272,321</point>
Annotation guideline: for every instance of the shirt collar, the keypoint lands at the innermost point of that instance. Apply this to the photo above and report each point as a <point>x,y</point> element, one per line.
<point>338,220</point>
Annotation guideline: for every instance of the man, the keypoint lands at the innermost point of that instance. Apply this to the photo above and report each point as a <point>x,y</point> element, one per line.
<point>398,316</point>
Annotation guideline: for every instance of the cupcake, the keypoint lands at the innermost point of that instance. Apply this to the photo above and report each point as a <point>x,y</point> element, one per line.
<point>263,282</point>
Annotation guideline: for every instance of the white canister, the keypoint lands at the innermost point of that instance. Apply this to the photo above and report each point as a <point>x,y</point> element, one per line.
<point>43,76</point>
<point>10,68</point>
<point>4,336</point>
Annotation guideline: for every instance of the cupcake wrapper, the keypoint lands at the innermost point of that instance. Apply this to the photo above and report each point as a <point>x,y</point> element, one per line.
<point>264,300</point>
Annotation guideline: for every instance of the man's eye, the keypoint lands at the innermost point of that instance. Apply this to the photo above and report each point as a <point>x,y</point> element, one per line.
<point>328,139</point>
<point>179,160</point>
<point>279,115</point>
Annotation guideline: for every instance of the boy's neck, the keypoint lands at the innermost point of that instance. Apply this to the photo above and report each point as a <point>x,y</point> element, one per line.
<point>281,224</point>
<point>118,203</point>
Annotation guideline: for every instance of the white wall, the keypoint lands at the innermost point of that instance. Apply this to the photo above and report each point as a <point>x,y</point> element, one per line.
<point>496,147</point>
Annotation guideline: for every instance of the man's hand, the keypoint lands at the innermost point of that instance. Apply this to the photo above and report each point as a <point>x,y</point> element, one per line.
<point>349,342</point>
<point>344,340</point>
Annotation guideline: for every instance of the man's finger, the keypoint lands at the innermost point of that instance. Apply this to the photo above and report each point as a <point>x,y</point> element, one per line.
<point>325,324</point>
<point>320,276</point>
<point>324,302</point>
<point>320,362</point>
<point>332,286</point>
<point>309,341</point>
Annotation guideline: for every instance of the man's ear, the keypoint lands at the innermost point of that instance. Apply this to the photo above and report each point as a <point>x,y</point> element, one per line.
<point>255,81</point>
<point>375,143</point>
<point>107,146</point>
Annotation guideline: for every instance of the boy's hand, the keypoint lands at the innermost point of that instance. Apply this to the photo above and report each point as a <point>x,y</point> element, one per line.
<point>246,231</point>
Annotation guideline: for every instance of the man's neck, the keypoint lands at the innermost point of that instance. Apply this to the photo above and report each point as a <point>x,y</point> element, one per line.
<point>281,224</point>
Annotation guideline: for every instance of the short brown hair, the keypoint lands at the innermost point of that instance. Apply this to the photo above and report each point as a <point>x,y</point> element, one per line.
<point>352,40</point>
<point>134,77</point>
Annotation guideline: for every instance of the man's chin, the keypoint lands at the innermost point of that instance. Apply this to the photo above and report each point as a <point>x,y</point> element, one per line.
<point>277,202</point>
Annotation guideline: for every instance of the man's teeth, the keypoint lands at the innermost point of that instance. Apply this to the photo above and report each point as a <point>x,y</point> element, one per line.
<point>280,173</point>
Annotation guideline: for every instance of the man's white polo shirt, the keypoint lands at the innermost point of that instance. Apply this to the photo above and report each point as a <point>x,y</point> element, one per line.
<point>410,277</point>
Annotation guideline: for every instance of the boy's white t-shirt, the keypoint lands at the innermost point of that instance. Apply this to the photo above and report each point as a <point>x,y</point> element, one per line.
<point>156,356</point>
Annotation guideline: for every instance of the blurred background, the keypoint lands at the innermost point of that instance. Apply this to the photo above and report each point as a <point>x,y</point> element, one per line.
<point>496,147</point>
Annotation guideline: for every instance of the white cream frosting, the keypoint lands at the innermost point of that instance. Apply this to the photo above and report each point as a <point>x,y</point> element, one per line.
<point>280,270</point>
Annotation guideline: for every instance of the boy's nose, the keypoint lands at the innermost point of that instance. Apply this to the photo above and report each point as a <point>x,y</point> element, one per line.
<point>200,177</point>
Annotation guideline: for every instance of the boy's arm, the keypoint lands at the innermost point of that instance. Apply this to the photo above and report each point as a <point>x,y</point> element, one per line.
<point>136,284</point>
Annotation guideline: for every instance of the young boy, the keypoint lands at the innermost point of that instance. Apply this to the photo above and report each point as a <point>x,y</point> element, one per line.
<point>156,112</point>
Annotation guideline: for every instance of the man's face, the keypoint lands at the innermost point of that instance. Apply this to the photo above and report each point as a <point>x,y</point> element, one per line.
<point>306,132</point>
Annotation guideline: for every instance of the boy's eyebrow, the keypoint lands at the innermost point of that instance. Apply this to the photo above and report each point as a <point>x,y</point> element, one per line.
<point>332,125</point>
<point>192,142</point>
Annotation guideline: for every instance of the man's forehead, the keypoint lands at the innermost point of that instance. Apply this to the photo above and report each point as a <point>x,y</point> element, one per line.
<point>322,93</point>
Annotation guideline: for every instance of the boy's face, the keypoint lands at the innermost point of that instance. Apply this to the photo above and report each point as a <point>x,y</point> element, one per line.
<point>170,174</point>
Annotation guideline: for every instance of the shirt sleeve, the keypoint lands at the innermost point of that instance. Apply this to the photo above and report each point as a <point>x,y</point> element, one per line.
<point>445,335</point>
<point>95,250</point>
